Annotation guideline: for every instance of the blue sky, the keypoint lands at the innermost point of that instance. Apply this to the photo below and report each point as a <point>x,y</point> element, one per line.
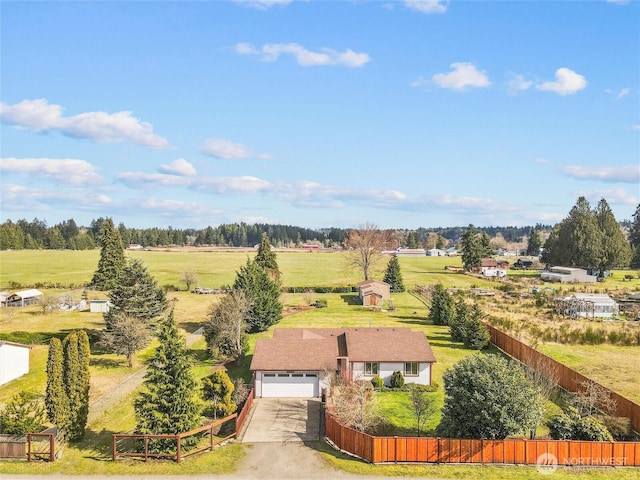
<point>400,114</point>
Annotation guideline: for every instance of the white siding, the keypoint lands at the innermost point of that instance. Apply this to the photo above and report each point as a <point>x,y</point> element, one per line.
<point>14,362</point>
<point>287,384</point>
<point>387,368</point>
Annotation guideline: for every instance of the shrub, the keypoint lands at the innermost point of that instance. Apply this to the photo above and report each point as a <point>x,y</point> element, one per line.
<point>561,427</point>
<point>320,303</point>
<point>619,427</point>
<point>397,380</point>
<point>571,426</point>
<point>422,388</point>
<point>23,414</point>
<point>377,382</point>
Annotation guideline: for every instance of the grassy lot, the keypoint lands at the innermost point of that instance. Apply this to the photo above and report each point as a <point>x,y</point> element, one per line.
<point>217,268</point>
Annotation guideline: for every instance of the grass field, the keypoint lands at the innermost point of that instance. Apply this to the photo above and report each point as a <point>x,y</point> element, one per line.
<point>67,271</point>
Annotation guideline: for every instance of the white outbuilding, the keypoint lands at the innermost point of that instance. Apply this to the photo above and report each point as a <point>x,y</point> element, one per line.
<point>14,360</point>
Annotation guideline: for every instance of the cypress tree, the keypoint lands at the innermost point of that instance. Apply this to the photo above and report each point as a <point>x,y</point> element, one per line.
<point>112,258</point>
<point>73,381</point>
<point>393,276</point>
<point>266,258</point>
<point>169,403</point>
<point>56,400</point>
<point>264,296</point>
<point>84,377</point>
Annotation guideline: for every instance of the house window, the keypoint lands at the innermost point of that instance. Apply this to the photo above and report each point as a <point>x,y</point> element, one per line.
<point>371,368</point>
<point>411,368</point>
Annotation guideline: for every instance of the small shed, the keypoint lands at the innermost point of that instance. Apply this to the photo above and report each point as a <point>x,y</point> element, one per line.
<point>374,293</point>
<point>99,306</point>
<point>435,252</point>
<point>24,298</point>
<point>567,275</point>
<point>3,298</point>
<point>589,305</point>
<point>14,360</point>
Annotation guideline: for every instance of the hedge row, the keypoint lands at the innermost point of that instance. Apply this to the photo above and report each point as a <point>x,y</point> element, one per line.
<point>322,289</point>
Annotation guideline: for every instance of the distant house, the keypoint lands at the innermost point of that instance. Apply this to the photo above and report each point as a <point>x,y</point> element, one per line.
<point>590,305</point>
<point>24,298</point>
<point>14,360</point>
<point>99,306</point>
<point>567,275</point>
<point>374,292</point>
<point>297,362</point>
<point>436,252</point>
<point>410,252</point>
<point>451,252</point>
<point>489,268</point>
<point>135,246</point>
<point>3,298</point>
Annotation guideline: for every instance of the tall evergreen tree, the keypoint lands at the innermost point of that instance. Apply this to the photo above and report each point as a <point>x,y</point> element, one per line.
<point>472,249</point>
<point>460,320</point>
<point>266,258</point>
<point>76,381</point>
<point>263,294</point>
<point>634,238</point>
<point>393,275</point>
<point>56,400</point>
<point>476,335</point>
<point>442,306</point>
<point>112,259</point>
<point>616,251</point>
<point>136,294</point>
<point>535,242</point>
<point>412,239</point>
<point>169,403</point>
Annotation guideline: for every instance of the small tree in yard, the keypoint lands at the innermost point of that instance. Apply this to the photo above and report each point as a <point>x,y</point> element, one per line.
<point>487,396</point>
<point>189,278</point>
<point>354,405</point>
<point>23,414</point>
<point>476,335</point>
<point>226,326</point>
<point>397,380</point>
<point>169,403</point>
<point>127,336</point>
<point>48,304</point>
<point>264,295</point>
<point>76,378</point>
<point>218,389</point>
<point>423,404</point>
<point>459,321</point>
<point>592,397</point>
<point>393,276</point>
<point>365,246</point>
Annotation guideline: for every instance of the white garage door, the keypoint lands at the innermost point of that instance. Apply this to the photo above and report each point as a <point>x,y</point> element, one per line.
<point>297,384</point>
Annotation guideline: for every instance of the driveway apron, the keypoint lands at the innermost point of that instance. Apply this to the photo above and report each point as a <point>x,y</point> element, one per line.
<point>284,420</point>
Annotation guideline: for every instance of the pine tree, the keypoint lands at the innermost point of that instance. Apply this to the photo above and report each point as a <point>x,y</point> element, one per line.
<point>476,335</point>
<point>442,306</point>
<point>266,258</point>
<point>393,275</point>
<point>263,294</point>
<point>472,249</point>
<point>169,403</point>
<point>136,295</point>
<point>459,321</point>
<point>535,243</point>
<point>616,251</point>
<point>56,400</point>
<point>412,240</point>
<point>112,259</point>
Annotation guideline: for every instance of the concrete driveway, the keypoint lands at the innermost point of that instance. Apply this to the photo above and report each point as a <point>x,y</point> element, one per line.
<point>283,420</point>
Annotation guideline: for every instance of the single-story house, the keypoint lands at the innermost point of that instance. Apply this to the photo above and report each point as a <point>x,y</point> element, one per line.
<point>567,275</point>
<point>24,297</point>
<point>436,252</point>
<point>373,293</point>
<point>3,298</point>
<point>297,362</point>
<point>590,305</point>
<point>451,252</point>
<point>99,306</point>
<point>14,360</point>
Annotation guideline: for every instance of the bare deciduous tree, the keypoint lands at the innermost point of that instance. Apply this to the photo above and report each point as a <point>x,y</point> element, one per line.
<point>48,304</point>
<point>543,372</point>
<point>354,405</point>
<point>126,336</point>
<point>190,278</point>
<point>423,404</point>
<point>592,397</point>
<point>365,246</point>
<point>226,326</point>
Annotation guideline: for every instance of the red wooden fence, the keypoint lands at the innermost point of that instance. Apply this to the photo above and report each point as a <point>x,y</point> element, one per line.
<point>456,450</point>
<point>568,378</point>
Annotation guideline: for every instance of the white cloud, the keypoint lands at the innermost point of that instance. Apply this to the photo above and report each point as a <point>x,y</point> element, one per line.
<point>626,174</point>
<point>262,4</point>
<point>517,83</point>
<point>541,161</point>
<point>18,198</point>
<point>463,75</point>
<point>139,179</point>
<point>567,82</point>
<point>238,185</point>
<point>40,116</point>
<point>324,57</point>
<point>220,148</point>
<point>636,127</point>
<point>427,6</point>
<point>623,93</point>
<point>618,196</point>
<point>179,167</point>
<point>67,171</point>
<point>619,2</point>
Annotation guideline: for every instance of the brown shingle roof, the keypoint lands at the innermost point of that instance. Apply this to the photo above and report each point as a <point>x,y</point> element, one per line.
<point>318,348</point>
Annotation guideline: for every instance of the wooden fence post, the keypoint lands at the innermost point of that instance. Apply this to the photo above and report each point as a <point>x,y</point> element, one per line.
<point>113,447</point>
<point>28,447</point>
<point>146,448</point>
<point>52,447</point>
<point>179,443</point>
